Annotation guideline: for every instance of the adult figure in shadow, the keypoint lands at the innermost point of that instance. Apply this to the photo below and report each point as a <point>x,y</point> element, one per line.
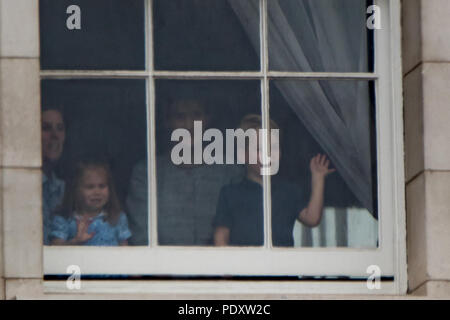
<point>53,137</point>
<point>187,194</point>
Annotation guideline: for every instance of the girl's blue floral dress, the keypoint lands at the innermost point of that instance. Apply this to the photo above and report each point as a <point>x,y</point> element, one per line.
<point>105,234</point>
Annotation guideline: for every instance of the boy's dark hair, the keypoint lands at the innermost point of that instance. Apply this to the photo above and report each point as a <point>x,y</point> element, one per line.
<point>70,202</point>
<point>254,121</point>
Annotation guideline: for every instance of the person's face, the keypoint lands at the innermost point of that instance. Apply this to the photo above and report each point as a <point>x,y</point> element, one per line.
<point>93,190</point>
<point>183,114</point>
<point>53,135</point>
<point>271,163</point>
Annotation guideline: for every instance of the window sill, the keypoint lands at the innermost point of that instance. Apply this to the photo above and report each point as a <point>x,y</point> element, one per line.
<point>231,289</point>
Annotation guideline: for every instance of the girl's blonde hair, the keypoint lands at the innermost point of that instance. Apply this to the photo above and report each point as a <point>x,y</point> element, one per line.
<point>71,201</point>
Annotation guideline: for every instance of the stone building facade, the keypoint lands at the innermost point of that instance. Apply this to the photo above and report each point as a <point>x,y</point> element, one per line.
<point>425,25</point>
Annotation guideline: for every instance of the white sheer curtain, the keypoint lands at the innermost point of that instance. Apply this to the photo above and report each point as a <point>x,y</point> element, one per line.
<point>340,227</point>
<point>323,36</point>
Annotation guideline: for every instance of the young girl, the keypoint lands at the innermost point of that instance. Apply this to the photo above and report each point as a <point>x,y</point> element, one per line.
<point>90,213</point>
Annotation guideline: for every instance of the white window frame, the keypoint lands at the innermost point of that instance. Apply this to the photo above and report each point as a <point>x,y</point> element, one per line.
<point>390,256</point>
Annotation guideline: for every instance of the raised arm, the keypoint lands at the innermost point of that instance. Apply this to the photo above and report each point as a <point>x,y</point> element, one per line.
<point>312,214</point>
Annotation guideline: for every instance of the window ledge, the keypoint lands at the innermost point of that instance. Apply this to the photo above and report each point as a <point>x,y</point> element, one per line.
<point>221,289</point>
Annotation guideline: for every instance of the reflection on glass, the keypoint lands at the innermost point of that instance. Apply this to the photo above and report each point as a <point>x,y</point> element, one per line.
<point>111,34</point>
<point>334,119</point>
<point>191,117</point>
<point>319,36</point>
<point>93,133</point>
<point>205,35</point>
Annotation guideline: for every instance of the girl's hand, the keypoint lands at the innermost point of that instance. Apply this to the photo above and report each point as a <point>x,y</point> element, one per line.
<point>319,166</point>
<point>82,231</point>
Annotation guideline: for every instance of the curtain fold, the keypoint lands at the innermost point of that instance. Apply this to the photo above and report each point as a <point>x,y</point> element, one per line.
<point>323,36</point>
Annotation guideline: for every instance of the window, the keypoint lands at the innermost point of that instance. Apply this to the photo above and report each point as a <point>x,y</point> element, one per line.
<point>135,72</point>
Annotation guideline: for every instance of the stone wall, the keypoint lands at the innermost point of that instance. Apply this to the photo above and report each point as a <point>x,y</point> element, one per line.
<point>20,143</point>
<point>426,68</point>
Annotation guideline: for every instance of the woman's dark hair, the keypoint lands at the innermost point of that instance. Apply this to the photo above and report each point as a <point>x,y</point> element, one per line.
<point>71,199</point>
<point>58,108</point>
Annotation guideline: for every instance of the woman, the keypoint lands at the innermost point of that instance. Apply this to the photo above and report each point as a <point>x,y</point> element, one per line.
<point>53,136</point>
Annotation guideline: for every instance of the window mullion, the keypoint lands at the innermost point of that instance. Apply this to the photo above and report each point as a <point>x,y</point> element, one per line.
<point>201,75</point>
<point>151,152</point>
<point>94,74</point>
<point>265,121</point>
<point>322,75</point>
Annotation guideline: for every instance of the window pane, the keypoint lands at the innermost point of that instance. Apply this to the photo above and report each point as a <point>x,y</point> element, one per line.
<point>88,126</point>
<point>335,119</point>
<point>198,185</point>
<point>319,36</point>
<point>205,35</point>
<point>111,35</point>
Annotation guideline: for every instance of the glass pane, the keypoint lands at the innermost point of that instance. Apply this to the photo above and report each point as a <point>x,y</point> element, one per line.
<point>111,34</point>
<point>199,202</point>
<point>335,119</point>
<point>93,134</point>
<point>205,35</point>
<point>320,36</point>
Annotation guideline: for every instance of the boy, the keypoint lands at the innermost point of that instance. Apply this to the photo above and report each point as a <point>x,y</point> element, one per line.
<point>239,217</point>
